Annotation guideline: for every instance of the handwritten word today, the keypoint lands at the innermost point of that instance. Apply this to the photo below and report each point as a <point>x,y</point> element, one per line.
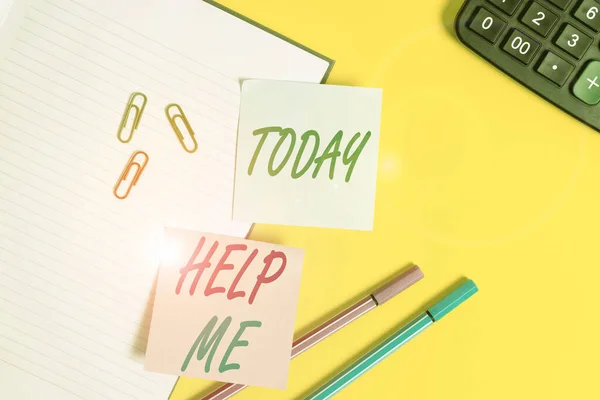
<point>208,342</point>
<point>309,138</point>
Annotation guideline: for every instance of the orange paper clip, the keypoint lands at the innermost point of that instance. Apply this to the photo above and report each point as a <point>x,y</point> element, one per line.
<point>190,132</point>
<point>138,110</point>
<point>132,165</point>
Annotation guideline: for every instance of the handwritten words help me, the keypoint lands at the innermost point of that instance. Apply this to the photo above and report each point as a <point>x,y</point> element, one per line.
<point>207,343</point>
<point>224,309</point>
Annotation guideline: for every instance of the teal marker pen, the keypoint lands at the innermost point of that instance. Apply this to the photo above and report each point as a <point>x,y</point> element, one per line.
<point>394,342</point>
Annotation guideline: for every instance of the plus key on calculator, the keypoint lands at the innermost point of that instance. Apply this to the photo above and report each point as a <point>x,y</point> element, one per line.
<point>550,46</point>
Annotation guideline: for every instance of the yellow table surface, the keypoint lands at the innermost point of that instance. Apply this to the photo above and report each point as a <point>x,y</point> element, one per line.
<point>478,178</point>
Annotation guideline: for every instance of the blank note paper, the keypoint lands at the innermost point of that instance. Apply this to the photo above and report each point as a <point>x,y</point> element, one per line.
<point>78,257</point>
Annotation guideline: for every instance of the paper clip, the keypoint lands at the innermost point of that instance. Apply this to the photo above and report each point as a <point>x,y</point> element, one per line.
<point>173,122</point>
<point>138,110</point>
<point>132,164</point>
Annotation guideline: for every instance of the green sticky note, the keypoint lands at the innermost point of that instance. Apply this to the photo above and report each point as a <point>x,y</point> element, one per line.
<point>307,154</point>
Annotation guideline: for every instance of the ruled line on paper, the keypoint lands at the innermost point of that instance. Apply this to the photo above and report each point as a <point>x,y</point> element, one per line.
<point>171,173</point>
<point>96,379</point>
<point>128,54</point>
<point>63,176</point>
<point>66,216</point>
<point>134,276</point>
<point>73,258</point>
<point>92,280</point>
<point>98,319</point>
<point>86,285</point>
<point>162,45</point>
<point>62,200</point>
<point>232,118</point>
<point>61,187</point>
<point>97,116</point>
<point>141,380</point>
<point>50,166</point>
<point>118,89</point>
<point>21,67</point>
<point>28,372</point>
<point>104,181</point>
<point>108,338</point>
<point>139,323</point>
<point>70,38</point>
<point>71,116</point>
<point>123,257</point>
<point>117,113</point>
<point>117,306</point>
<point>215,146</point>
<point>86,339</point>
<point>80,326</point>
<point>59,85</point>
<point>45,154</point>
<point>167,185</point>
<point>56,185</point>
<point>110,372</point>
<point>113,147</point>
<point>73,267</point>
<point>162,194</point>
<point>59,72</point>
<point>86,387</point>
<point>90,218</point>
<point>103,80</point>
<point>46,370</point>
<point>87,161</point>
<point>139,343</point>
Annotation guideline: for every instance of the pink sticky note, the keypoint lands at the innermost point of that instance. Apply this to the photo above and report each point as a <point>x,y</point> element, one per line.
<point>225,309</point>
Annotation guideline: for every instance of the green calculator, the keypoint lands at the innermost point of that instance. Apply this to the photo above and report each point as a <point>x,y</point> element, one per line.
<point>549,46</point>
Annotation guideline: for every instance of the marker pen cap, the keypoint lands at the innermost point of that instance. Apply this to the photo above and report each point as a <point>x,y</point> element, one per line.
<point>453,300</point>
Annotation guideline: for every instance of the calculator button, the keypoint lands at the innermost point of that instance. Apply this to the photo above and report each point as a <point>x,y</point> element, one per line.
<point>573,41</point>
<point>562,4</point>
<point>521,46</point>
<point>508,6</point>
<point>555,68</point>
<point>587,86</point>
<point>587,12</point>
<point>539,19</point>
<point>487,25</point>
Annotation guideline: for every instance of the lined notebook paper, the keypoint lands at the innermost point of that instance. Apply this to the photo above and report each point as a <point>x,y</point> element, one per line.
<point>78,265</point>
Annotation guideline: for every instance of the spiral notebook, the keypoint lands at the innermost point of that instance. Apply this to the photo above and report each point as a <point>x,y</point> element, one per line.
<point>86,86</point>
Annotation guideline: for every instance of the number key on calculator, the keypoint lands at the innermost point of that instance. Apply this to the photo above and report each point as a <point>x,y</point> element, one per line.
<point>550,46</point>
